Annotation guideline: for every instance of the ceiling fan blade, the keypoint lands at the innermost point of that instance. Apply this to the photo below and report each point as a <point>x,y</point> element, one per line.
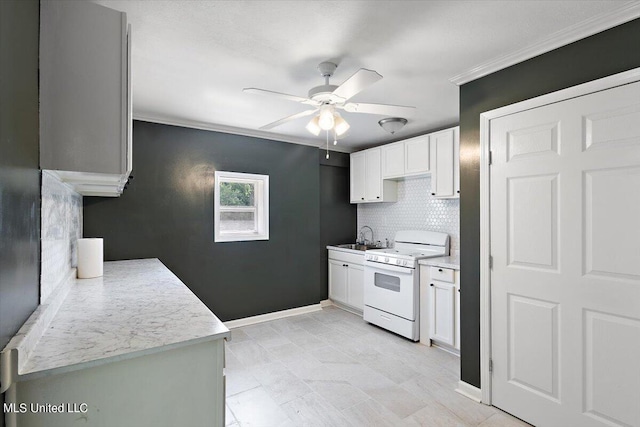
<point>380,109</point>
<point>280,95</point>
<point>288,119</point>
<point>359,81</point>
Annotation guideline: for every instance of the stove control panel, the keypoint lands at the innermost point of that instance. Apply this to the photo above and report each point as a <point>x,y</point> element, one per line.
<point>389,260</point>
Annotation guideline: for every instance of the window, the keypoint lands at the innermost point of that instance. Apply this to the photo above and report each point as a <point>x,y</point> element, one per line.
<point>241,207</point>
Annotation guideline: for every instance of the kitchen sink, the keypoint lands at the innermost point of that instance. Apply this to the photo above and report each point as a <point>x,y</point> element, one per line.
<point>357,247</point>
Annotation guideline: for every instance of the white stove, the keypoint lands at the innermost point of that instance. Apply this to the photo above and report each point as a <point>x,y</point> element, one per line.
<point>392,283</point>
<point>410,247</point>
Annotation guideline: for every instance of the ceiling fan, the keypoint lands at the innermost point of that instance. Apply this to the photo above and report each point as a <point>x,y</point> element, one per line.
<point>328,98</point>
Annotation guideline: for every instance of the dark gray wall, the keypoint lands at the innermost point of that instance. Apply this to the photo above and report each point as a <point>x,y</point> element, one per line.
<point>338,218</point>
<point>603,54</point>
<point>19,175</point>
<point>167,212</point>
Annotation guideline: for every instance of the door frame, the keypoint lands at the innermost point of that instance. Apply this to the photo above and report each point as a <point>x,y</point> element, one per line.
<point>604,83</point>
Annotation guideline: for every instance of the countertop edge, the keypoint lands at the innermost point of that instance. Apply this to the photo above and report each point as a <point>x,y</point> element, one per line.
<point>120,357</point>
<point>349,251</point>
<point>444,262</point>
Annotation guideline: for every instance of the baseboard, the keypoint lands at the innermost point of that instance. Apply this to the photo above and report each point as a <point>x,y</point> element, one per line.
<point>346,308</point>
<point>272,316</point>
<point>446,348</point>
<point>467,390</point>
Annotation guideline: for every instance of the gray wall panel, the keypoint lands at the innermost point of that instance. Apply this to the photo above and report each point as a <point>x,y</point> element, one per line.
<point>19,174</point>
<point>167,212</point>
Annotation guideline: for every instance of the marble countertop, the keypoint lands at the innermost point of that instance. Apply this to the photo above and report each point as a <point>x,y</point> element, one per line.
<point>138,307</point>
<point>452,261</point>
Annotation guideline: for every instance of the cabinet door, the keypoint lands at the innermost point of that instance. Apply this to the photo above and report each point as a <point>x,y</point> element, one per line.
<point>393,160</point>
<point>442,312</point>
<point>456,163</point>
<point>84,120</point>
<point>373,176</point>
<point>357,177</point>
<point>129,138</point>
<point>416,155</point>
<point>442,151</point>
<point>338,281</point>
<point>355,291</point>
<point>456,316</point>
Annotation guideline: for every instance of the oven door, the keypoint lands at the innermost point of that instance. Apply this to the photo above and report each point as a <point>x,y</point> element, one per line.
<point>391,289</point>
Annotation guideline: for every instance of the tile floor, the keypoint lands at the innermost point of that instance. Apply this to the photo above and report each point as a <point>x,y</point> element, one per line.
<point>330,368</point>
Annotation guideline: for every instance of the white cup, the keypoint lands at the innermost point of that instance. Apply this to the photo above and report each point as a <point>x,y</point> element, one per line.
<point>90,258</point>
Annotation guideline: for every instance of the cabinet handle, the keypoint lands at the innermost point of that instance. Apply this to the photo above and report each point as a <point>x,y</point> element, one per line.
<point>458,289</point>
<point>440,270</point>
<point>362,198</point>
<point>433,194</point>
<point>431,284</point>
<point>458,191</point>
<point>377,197</point>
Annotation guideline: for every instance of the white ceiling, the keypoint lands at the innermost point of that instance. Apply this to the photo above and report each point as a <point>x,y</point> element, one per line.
<point>191,59</point>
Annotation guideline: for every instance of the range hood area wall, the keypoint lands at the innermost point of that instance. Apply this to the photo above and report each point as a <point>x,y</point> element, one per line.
<point>416,209</point>
<point>609,52</point>
<point>167,213</point>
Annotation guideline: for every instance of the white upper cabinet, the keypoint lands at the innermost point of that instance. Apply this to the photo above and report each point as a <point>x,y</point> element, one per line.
<point>373,176</point>
<point>416,156</point>
<point>407,158</point>
<point>374,172</point>
<point>367,184</point>
<point>85,96</point>
<point>393,160</point>
<point>444,147</point>
<point>357,177</point>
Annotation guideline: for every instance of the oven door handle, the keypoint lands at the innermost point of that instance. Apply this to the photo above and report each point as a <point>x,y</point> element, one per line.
<point>387,267</point>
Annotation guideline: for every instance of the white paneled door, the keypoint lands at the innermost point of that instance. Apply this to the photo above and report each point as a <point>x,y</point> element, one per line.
<point>565,242</point>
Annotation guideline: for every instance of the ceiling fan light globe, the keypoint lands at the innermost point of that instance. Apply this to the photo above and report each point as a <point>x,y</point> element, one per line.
<point>341,125</point>
<point>313,126</point>
<point>326,120</point>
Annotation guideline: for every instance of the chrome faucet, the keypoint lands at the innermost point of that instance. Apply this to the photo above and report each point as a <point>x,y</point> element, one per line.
<point>361,236</point>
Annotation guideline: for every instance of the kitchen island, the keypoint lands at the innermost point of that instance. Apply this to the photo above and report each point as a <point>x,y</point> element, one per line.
<point>134,347</point>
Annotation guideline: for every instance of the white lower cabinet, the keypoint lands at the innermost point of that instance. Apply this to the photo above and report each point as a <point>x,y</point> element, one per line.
<point>440,306</point>
<point>355,286</point>
<point>338,281</point>
<point>346,279</point>
<point>140,391</point>
<point>456,343</point>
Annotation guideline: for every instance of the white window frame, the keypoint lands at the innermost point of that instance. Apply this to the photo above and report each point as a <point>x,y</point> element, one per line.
<point>261,208</point>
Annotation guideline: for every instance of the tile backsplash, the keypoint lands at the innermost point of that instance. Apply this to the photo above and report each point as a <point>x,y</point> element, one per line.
<point>416,209</point>
<point>61,228</point>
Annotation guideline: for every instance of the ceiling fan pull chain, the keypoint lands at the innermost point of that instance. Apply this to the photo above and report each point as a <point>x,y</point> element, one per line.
<point>327,145</point>
<point>335,137</point>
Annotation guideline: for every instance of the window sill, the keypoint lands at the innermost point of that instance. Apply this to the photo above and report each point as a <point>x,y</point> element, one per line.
<point>240,237</point>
